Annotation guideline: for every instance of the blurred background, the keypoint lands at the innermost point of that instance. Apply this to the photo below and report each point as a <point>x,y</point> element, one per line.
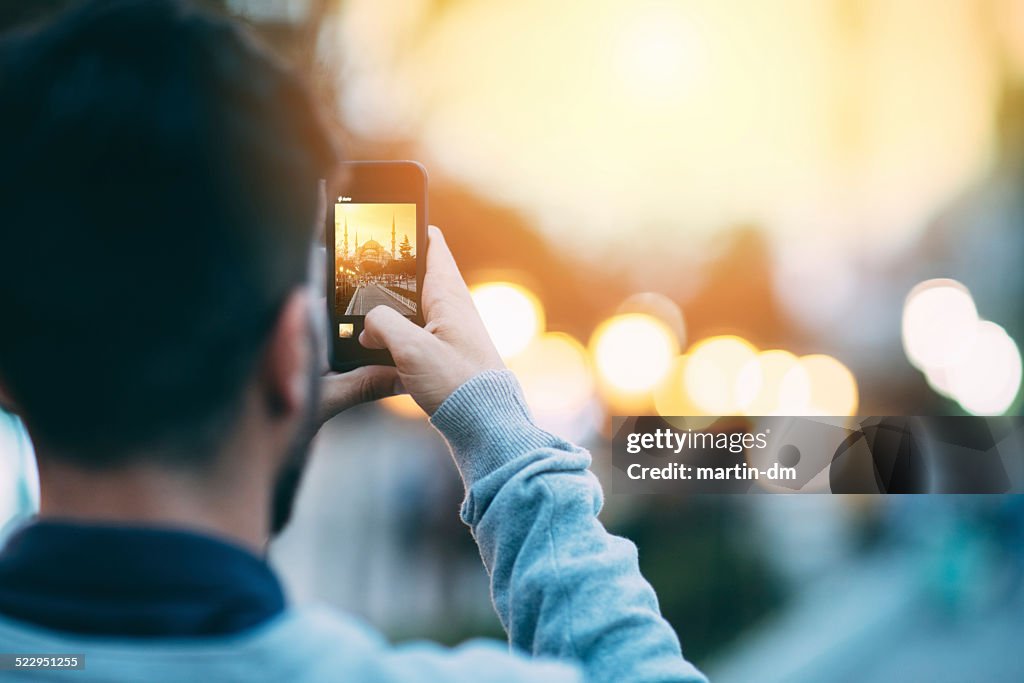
<point>801,207</point>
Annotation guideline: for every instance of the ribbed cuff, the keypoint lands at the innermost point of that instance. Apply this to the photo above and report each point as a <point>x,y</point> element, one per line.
<point>487,424</point>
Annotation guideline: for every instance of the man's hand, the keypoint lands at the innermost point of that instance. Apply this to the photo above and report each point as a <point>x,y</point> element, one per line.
<point>435,360</point>
<point>341,391</point>
<point>432,361</point>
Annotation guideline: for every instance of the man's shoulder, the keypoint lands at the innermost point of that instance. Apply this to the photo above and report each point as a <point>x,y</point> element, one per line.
<point>304,644</point>
<point>295,644</point>
<point>421,660</point>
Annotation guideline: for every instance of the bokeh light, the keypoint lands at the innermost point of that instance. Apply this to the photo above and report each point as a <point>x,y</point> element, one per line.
<point>658,306</point>
<point>713,373</point>
<point>633,352</point>
<point>672,401</point>
<point>986,382</point>
<point>939,323</point>
<point>833,388</point>
<point>555,374</point>
<point>512,314</point>
<point>972,361</point>
<point>670,396</point>
<point>773,383</point>
<point>938,379</point>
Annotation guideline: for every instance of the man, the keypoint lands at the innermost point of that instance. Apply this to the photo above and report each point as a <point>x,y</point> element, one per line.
<point>170,167</point>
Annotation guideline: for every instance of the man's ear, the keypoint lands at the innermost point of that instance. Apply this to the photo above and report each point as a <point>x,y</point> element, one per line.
<point>286,363</point>
<point>321,210</point>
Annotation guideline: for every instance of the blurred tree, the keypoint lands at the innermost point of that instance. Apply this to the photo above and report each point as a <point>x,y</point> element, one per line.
<point>738,293</point>
<point>701,556</point>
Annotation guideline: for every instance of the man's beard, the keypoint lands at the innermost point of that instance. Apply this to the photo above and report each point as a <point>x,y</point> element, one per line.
<point>289,477</point>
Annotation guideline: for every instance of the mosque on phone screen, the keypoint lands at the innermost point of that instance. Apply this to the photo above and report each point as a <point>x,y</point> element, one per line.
<point>370,251</point>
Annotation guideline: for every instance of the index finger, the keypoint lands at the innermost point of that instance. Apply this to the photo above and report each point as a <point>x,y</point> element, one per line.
<point>442,279</point>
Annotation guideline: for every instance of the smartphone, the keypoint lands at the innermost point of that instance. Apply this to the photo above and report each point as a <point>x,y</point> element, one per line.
<point>376,233</point>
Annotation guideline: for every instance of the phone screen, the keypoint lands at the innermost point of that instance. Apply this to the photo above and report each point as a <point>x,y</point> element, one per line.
<point>374,261</point>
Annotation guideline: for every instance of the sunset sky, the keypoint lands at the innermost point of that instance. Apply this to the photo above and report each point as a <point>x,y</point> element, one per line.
<point>852,121</point>
<point>373,221</point>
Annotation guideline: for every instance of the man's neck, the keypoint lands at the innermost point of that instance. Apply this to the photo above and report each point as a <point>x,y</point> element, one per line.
<point>148,495</point>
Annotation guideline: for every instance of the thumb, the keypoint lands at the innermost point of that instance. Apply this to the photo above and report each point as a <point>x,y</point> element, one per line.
<point>342,391</point>
<point>386,328</point>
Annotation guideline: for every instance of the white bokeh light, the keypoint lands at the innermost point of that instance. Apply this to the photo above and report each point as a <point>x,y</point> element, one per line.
<point>714,378</point>
<point>633,352</point>
<point>939,324</point>
<point>988,379</point>
<point>512,315</point>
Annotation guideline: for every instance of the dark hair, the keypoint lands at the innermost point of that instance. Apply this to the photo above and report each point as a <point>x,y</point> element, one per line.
<point>158,185</point>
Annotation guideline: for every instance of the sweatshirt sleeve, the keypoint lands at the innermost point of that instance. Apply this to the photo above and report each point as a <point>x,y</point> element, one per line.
<point>562,585</point>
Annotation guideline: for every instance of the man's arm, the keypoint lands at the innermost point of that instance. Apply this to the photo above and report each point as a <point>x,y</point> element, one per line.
<point>563,586</point>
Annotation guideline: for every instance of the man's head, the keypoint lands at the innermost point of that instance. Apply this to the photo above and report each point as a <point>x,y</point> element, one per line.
<point>158,197</point>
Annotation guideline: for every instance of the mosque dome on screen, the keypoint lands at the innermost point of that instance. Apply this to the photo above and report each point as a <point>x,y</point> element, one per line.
<point>372,250</point>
